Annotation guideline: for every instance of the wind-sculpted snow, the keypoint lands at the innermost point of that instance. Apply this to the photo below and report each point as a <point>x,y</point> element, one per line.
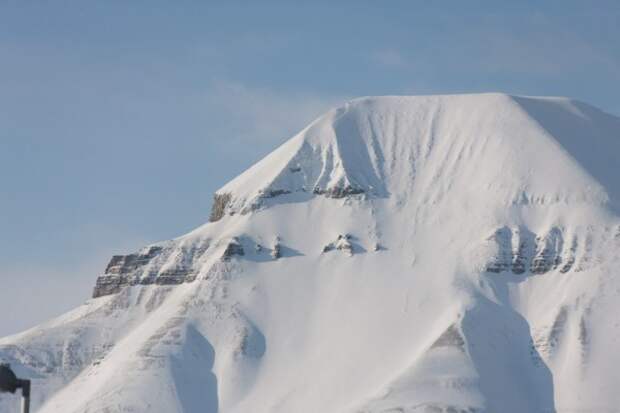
<point>400,254</point>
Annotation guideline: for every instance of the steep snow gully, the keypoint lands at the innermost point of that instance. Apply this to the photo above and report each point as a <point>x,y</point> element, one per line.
<point>451,254</point>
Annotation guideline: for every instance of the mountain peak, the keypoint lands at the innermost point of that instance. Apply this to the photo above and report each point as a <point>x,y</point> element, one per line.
<point>377,146</point>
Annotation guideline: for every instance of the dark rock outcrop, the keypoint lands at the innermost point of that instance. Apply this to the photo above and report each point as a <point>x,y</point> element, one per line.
<point>520,251</point>
<point>501,262</point>
<point>234,248</point>
<point>173,276</point>
<point>220,203</point>
<point>339,192</point>
<point>169,265</point>
<point>569,259</point>
<point>120,271</point>
<point>123,264</point>
<point>272,193</point>
<point>342,243</point>
<point>276,251</point>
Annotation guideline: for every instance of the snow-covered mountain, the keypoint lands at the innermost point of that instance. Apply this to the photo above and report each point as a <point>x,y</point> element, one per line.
<point>400,254</point>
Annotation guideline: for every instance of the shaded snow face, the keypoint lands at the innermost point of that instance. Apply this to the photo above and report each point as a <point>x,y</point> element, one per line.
<point>400,254</point>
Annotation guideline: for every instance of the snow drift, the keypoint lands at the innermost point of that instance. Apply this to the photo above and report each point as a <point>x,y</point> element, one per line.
<point>400,254</point>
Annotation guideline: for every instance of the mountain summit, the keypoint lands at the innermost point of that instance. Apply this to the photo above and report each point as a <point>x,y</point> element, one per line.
<point>452,254</point>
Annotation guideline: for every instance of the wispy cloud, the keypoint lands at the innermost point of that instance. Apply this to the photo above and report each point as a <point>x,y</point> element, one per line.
<point>390,58</point>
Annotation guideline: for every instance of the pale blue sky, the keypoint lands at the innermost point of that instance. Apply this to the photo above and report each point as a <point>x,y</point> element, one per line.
<point>118,120</point>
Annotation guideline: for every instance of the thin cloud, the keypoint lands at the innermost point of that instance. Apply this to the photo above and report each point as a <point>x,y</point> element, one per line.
<point>389,58</point>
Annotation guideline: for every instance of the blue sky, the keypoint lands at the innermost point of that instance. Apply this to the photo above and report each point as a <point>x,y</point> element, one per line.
<point>118,120</point>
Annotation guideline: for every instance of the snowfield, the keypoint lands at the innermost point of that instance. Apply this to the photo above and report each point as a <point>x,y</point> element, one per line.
<point>445,254</point>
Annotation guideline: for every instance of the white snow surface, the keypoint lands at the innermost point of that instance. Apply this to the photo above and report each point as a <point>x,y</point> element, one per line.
<point>474,268</point>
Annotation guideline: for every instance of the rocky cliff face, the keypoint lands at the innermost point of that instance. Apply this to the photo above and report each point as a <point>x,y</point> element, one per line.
<point>518,250</point>
<point>162,265</point>
<point>125,270</point>
<point>220,204</point>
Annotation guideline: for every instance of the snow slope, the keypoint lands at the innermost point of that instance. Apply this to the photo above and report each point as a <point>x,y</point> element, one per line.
<point>400,254</point>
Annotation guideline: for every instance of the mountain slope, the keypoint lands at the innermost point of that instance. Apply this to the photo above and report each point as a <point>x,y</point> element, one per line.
<point>400,254</point>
